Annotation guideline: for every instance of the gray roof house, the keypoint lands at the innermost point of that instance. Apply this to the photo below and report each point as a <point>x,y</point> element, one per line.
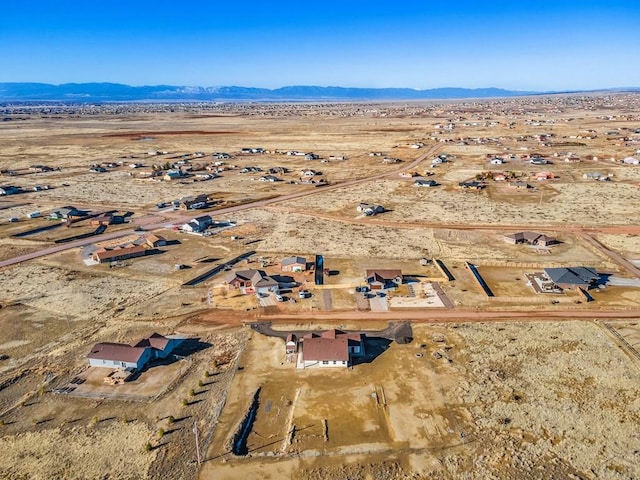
<point>572,277</point>
<point>133,356</point>
<point>293,264</point>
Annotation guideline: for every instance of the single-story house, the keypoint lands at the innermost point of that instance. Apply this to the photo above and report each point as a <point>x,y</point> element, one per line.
<point>572,277</point>
<point>369,209</point>
<point>383,279</point>
<point>269,178</point>
<point>293,264</point>
<point>67,212</point>
<point>133,356</point>
<point>544,176</point>
<point>426,183</point>
<point>530,238</point>
<point>155,241</point>
<point>333,348</point>
<point>119,253</point>
<point>473,185</point>
<point>252,281</point>
<point>496,161</point>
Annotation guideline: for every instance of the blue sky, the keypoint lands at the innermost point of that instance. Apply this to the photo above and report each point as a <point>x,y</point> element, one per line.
<point>518,44</point>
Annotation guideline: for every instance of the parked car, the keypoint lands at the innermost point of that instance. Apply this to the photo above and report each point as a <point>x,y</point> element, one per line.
<point>279,297</point>
<point>304,293</point>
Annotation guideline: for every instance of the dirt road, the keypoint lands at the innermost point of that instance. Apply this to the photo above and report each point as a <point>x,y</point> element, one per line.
<point>224,211</point>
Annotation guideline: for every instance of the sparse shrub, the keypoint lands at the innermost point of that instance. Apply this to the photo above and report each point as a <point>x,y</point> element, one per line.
<point>94,420</point>
<point>200,383</point>
<point>1,423</point>
<point>125,420</point>
<point>185,402</point>
<point>171,420</point>
<point>161,432</point>
<point>214,364</point>
<point>192,393</point>
<point>148,447</point>
<point>207,374</point>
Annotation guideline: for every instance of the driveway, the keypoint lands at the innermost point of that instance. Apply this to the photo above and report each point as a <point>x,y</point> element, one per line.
<point>378,304</point>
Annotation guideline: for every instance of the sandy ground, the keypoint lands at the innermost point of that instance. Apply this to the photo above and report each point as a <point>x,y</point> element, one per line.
<point>535,391</point>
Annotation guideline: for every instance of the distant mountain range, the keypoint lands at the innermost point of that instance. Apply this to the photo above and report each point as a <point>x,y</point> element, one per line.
<point>115,92</point>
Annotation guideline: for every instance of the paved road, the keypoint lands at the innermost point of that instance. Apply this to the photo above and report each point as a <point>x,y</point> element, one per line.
<point>223,211</point>
<point>66,246</point>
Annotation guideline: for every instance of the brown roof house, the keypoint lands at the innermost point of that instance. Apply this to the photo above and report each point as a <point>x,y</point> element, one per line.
<point>252,281</point>
<point>333,348</point>
<point>293,264</point>
<point>383,279</point>
<point>530,238</point>
<point>155,241</point>
<point>133,356</point>
<point>119,253</point>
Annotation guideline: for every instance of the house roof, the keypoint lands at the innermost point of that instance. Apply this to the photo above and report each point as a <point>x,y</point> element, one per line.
<point>294,261</point>
<point>154,340</point>
<point>155,238</point>
<point>576,276</point>
<point>382,275</point>
<point>117,352</point>
<point>119,251</point>
<point>257,277</point>
<point>332,345</point>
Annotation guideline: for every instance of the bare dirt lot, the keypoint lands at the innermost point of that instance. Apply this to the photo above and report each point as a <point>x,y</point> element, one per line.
<point>536,391</point>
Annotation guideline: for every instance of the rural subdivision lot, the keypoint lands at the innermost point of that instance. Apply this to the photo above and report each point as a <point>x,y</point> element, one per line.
<point>101,208</point>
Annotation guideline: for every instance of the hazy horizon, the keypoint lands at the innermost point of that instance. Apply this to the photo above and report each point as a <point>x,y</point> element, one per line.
<point>526,46</point>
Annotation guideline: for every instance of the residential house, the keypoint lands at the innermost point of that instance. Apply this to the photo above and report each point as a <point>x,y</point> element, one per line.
<point>473,185</point>
<point>251,281</point>
<point>426,183</point>
<point>538,161</point>
<point>573,277</point>
<point>496,161</point>
<point>198,224</point>
<point>133,356</point>
<point>67,212</point>
<point>369,209</point>
<point>269,178</point>
<point>293,264</point>
<point>309,173</point>
<point>541,176</point>
<point>383,279</point>
<point>530,238</point>
<point>155,241</point>
<point>332,348</point>
<point>173,174</point>
<point>117,254</point>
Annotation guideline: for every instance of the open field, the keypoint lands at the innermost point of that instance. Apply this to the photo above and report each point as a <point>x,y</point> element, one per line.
<point>547,396</point>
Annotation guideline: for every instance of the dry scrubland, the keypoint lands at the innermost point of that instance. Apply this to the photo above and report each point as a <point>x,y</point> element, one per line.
<point>533,400</point>
<point>503,401</point>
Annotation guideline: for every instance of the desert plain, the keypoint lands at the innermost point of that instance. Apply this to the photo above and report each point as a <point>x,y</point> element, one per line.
<point>496,382</point>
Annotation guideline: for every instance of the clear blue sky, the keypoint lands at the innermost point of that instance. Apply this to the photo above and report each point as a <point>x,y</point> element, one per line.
<point>516,44</point>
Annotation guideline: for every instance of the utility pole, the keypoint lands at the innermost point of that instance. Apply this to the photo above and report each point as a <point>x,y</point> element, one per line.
<point>195,431</point>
